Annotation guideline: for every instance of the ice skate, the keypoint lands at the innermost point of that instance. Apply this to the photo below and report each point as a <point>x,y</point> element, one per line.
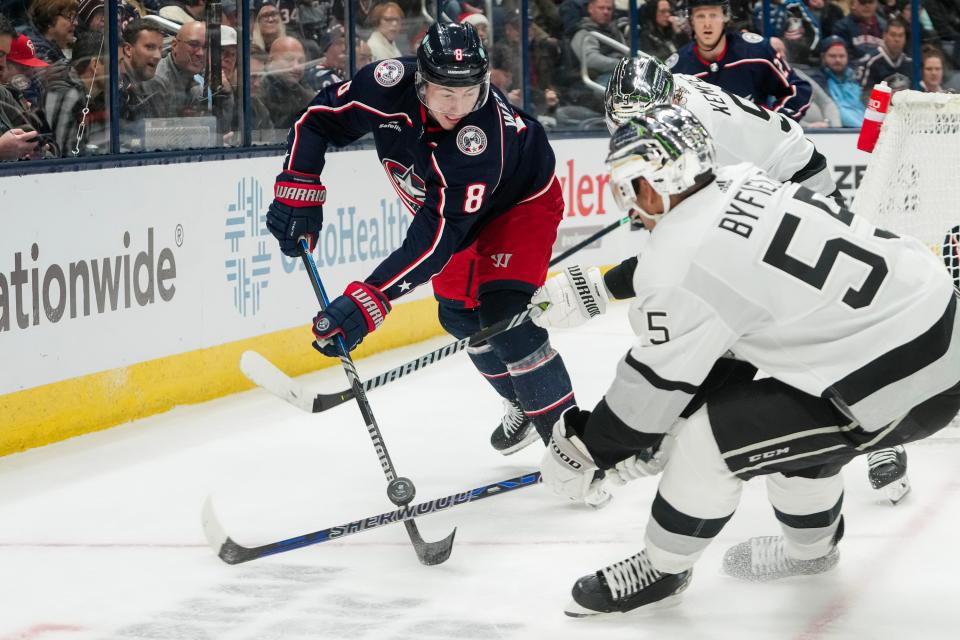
<point>888,471</point>
<point>515,431</point>
<point>764,558</point>
<point>625,586</point>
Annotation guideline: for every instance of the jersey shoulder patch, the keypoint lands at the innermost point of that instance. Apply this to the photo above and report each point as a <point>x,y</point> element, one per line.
<point>752,38</point>
<point>388,72</point>
<point>471,140</point>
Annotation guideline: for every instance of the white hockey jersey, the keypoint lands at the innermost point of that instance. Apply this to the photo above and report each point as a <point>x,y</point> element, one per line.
<point>745,132</point>
<point>806,291</point>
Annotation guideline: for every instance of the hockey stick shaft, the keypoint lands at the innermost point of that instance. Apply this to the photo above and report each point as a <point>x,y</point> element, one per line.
<point>400,491</point>
<point>616,224</point>
<point>324,401</point>
<point>233,553</point>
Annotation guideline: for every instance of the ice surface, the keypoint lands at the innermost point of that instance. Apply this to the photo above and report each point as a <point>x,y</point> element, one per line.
<point>100,536</point>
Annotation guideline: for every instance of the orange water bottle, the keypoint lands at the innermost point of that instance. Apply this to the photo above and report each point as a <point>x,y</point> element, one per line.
<point>873,118</point>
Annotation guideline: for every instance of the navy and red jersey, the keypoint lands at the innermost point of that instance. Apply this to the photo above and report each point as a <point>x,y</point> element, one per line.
<point>750,68</point>
<point>454,182</point>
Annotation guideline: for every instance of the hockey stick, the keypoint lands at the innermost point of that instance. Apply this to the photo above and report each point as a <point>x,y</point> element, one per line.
<point>400,490</point>
<point>233,553</point>
<point>265,374</point>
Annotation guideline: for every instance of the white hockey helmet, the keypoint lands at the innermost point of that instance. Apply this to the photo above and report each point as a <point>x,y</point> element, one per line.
<point>668,146</point>
<point>636,84</point>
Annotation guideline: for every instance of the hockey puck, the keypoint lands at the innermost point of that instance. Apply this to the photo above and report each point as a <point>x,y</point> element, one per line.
<point>401,491</point>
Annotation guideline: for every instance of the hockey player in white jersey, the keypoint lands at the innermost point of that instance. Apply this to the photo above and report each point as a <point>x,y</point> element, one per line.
<point>742,132</point>
<point>856,327</point>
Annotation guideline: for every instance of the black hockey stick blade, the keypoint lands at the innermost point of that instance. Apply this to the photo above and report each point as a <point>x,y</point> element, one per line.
<point>232,552</point>
<point>429,553</point>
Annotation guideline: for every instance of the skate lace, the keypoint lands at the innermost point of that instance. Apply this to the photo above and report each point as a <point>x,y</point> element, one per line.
<point>514,417</point>
<point>767,555</point>
<point>628,576</point>
<point>884,456</point>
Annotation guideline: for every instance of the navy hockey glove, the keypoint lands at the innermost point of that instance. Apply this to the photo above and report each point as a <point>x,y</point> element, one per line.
<point>361,309</point>
<point>296,210</point>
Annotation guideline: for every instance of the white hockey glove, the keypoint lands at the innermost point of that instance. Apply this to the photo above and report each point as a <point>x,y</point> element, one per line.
<point>643,465</point>
<point>574,296</point>
<point>567,467</point>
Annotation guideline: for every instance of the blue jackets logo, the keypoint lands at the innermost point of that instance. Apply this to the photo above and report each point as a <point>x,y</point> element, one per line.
<point>248,265</point>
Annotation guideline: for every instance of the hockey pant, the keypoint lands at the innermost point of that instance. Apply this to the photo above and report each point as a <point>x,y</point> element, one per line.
<point>698,494</point>
<point>765,427</point>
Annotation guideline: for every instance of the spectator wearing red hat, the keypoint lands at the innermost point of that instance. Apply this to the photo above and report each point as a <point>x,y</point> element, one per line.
<point>51,28</point>
<point>23,71</point>
<point>18,138</point>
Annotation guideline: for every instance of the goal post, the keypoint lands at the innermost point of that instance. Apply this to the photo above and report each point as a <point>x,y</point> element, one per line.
<point>912,182</point>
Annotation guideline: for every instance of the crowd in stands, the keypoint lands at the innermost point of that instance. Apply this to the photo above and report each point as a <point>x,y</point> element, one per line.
<point>55,60</point>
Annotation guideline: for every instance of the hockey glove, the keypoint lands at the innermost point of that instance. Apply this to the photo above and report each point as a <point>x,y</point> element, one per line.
<point>567,467</point>
<point>649,462</point>
<point>361,309</point>
<point>574,297</point>
<point>296,210</point>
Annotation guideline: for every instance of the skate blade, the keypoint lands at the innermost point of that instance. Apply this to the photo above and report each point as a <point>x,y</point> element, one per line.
<point>575,610</point>
<point>523,444</point>
<point>897,491</point>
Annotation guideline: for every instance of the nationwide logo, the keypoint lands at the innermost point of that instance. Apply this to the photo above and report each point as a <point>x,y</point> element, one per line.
<point>248,267</point>
<point>408,185</point>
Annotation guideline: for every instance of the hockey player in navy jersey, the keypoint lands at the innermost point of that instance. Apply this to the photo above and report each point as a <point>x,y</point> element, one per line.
<point>478,175</point>
<point>742,63</point>
<point>856,327</point>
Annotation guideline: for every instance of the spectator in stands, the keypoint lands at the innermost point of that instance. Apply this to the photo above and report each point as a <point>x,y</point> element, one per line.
<point>571,13</point>
<point>481,24</point>
<point>862,30</point>
<point>933,63</point>
<point>91,16</point>
<point>183,11</point>
<point>310,20</point>
<point>81,88</point>
<point>387,21</point>
<point>889,59</point>
<point>600,58</point>
<point>18,137</point>
<point>662,31</point>
<point>795,23</point>
<point>945,16</point>
<point>333,65</point>
<point>267,27</point>
<point>838,78</point>
<point>178,91</point>
<point>283,90</point>
<point>822,112</point>
<point>140,55</point>
<point>827,14</point>
<point>51,28</point>
<point>24,70</point>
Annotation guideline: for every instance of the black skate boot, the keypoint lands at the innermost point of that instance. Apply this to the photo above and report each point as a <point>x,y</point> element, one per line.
<point>624,586</point>
<point>888,471</point>
<point>515,432</point>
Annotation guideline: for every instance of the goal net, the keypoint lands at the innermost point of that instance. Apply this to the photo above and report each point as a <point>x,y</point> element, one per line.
<point>912,182</point>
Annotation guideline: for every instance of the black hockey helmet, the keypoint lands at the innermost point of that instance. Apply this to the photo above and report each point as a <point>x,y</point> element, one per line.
<point>452,55</point>
<point>693,4</point>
